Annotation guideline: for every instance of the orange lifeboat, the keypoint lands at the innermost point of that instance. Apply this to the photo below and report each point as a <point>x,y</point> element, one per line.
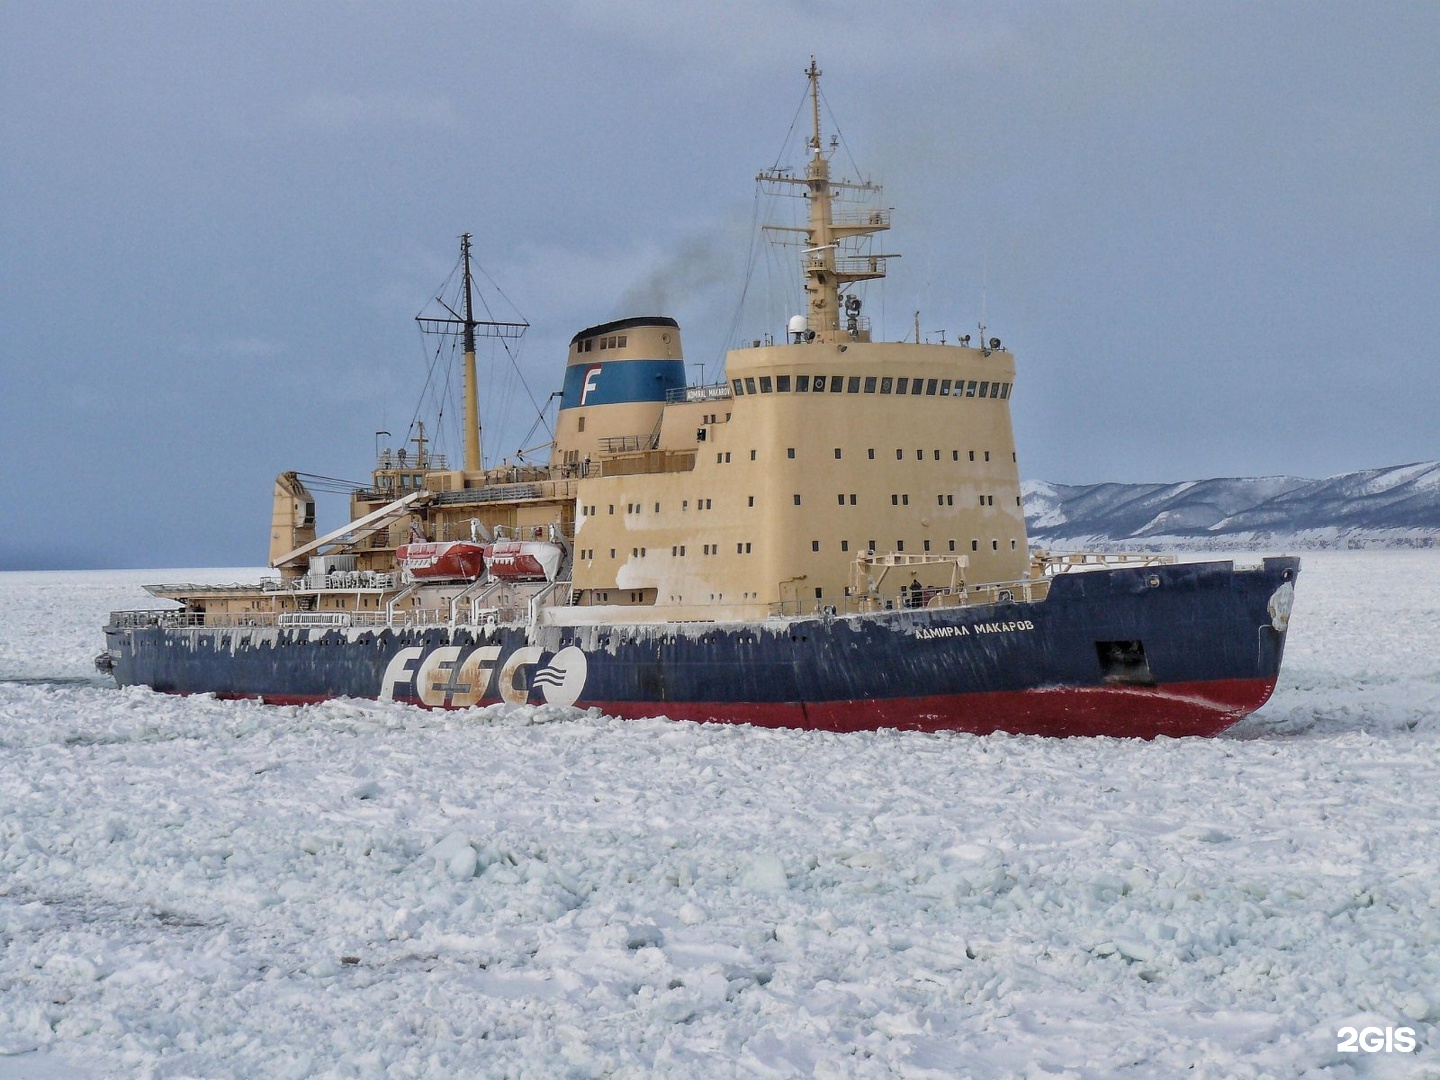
<point>451,560</point>
<point>524,560</point>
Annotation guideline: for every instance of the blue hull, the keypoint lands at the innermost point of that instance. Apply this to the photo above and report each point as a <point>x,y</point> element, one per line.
<point>1184,649</point>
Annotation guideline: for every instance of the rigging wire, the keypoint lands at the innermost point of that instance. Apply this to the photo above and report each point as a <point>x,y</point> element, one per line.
<point>330,484</point>
<point>496,382</point>
<point>839,135</point>
<point>790,134</point>
<point>750,259</point>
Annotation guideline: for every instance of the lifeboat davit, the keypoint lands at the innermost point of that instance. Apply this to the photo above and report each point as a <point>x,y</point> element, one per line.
<point>450,560</point>
<point>524,560</point>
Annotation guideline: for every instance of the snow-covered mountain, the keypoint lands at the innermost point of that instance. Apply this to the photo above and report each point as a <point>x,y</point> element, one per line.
<point>1391,507</point>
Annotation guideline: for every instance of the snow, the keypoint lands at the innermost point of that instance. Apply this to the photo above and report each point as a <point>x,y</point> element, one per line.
<point>191,887</point>
<point>1376,508</point>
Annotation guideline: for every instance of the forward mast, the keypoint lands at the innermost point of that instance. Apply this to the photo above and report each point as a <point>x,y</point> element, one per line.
<point>832,259</point>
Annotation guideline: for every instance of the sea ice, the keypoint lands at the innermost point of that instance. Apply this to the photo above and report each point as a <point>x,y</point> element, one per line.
<point>191,887</point>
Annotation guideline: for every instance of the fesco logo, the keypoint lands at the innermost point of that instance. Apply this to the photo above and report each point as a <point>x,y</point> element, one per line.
<point>1374,1040</point>
<point>450,678</point>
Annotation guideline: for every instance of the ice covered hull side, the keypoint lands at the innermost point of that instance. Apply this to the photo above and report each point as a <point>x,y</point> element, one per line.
<point>1186,649</point>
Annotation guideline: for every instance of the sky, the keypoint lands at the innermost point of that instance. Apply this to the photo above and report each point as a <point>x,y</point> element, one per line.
<point>1209,232</point>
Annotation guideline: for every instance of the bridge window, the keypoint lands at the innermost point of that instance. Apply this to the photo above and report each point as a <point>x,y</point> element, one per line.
<point>901,386</point>
<point>886,385</point>
<point>854,387</point>
<point>765,385</point>
<point>944,387</point>
<point>782,384</point>
<point>749,385</point>
<point>837,384</point>
<point>738,387</point>
<point>870,381</point>
<point>985,389</point>
<point>802,384</point>
<point>930,387</point>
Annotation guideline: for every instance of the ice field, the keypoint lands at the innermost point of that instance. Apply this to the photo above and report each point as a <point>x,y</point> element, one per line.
<point>196,888</point>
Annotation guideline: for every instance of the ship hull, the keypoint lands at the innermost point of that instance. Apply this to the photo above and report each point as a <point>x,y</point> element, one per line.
<point>1185,649</point>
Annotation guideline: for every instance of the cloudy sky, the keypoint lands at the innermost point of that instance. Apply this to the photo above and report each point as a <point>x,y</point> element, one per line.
<point>1209,231</point>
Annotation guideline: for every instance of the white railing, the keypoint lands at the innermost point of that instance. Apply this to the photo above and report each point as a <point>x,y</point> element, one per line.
<point>1069,562</point>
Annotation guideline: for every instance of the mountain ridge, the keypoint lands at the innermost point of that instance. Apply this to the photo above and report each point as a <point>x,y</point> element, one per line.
<point>1394,506</point>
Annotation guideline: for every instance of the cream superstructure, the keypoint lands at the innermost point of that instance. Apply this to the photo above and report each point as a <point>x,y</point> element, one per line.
<point>758,494</point>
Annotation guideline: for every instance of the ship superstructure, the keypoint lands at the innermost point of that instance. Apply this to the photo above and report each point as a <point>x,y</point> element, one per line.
<point>721,551</point>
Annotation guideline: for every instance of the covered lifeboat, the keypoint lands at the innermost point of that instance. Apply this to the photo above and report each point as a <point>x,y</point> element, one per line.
<point>449,560</point>
<point>524,560</point>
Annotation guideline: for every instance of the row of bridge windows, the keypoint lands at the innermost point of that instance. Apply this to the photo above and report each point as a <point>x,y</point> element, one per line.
<point>869,384</point>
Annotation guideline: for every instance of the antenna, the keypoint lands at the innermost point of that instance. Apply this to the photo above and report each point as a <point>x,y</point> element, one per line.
<point>984,284</point>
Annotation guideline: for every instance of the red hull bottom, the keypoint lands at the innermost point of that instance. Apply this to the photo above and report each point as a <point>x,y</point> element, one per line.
<point>1141,712</point>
